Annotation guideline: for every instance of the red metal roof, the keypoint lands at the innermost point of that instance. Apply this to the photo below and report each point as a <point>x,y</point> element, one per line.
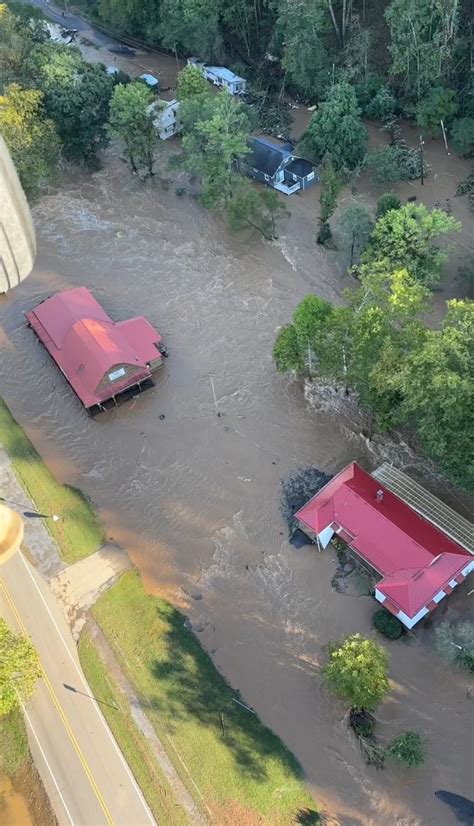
<point>414,557</point>
<point>88,346</point>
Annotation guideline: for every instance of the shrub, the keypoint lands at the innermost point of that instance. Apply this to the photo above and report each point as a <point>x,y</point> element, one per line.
<point>438,105</point>
<point>387,202</point>
<point>408,749</point>
<point>455,643</point>
<point>394,163</point>
<point>366,90</point>
<point>387,624</point>
<point>383,105</point>
<point>462,134</point>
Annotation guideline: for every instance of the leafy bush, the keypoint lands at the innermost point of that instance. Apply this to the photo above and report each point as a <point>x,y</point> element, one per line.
<point>409,749</point>
<point>455,643</point>
<point>366,90</point>
<point>438,105</point>
<point>395,163</point>
<point>383,105</point>
<point>462,134</point>
<point>387,624</point>
<point>387,202</point>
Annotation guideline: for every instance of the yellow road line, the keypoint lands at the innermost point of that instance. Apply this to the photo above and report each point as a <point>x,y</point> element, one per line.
<point>61,713</point>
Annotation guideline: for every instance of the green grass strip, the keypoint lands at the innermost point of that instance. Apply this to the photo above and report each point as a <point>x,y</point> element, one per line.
<point>132,742</point>
<point>237,763</point>
<point>79,532</point>
<point>13,743</point>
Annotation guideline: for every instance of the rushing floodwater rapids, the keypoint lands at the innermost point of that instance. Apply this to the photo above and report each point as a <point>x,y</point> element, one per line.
<point>195,497</point>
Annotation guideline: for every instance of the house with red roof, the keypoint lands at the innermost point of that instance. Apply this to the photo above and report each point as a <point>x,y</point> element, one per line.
<point>417,563</point>
<point>100,358</point>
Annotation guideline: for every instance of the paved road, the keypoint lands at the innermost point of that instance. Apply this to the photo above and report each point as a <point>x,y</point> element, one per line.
<point>73,21</point>
<point>84,772</point>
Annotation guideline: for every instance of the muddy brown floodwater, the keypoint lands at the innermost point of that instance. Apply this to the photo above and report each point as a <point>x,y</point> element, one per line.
<point>195,497</point>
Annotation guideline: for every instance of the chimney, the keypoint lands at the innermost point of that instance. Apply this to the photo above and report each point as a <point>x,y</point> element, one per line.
<point>379,495</point>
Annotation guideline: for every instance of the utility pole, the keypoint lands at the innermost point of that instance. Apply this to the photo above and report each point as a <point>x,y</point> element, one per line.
<point>422,143</point>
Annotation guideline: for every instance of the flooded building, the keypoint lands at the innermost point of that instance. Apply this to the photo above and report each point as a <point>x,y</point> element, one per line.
<point>275,164</point>
<point>100,358</point>
<point>165,117</point>
<point>220,76</point>
<point>417,563</point>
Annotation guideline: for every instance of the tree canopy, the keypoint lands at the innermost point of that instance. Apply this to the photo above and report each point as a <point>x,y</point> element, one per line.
<point>30,136</point>
<point>357,670</point>
<point>406,238</point>
<point>131,120</point>
<point>403,372</point>
<point>215,132</point>
<point>337,129</point>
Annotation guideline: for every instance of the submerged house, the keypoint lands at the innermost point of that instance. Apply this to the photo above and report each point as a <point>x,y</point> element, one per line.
<point>220,76</point>
<point>274,163</point>
<point>419,549</point>
<point>165,117</point>
<point>100,358</point>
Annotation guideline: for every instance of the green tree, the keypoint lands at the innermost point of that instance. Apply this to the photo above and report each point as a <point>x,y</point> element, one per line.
<point>329,189</point>
<point>76,98</point>
<point>19,669</point>
<point>249,208</point>
<point>337,128</point>
<point>302,27</point>
<point>409,749</point>
<point>355,224</point>
<point>405,238</point>
<point>286,351</point>
<point>437,384</point>
<point>132,121</point>
<point>422,40</point>
<point>462,133</point>
<point>440,104</point>
<point>30,137</point>
<point>215,136</point>
<point>358,670</point>
<point>386,202</point>
<point>191,27</point>
<point>191,83</point>
<point>455,643</point>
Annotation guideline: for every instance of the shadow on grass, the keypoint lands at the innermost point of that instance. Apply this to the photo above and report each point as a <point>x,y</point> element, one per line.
<point>191,687</point>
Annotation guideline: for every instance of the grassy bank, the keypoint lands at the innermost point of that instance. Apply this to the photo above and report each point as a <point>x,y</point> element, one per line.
<point>244,772</point>
<point>13,743</point>
<point>78,533</point>
<point>133,744</point>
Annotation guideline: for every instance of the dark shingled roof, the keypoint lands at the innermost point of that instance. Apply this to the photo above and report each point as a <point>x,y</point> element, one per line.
<point>300,167</point>
<point>266,157</point>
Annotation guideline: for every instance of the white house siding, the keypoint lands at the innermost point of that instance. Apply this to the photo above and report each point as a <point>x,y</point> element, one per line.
<point>410,622</point>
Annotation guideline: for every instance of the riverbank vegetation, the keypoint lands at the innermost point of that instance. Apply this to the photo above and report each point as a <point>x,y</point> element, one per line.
<point>238,765</point>
<point>78,532</point>
<point>404,373</point>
